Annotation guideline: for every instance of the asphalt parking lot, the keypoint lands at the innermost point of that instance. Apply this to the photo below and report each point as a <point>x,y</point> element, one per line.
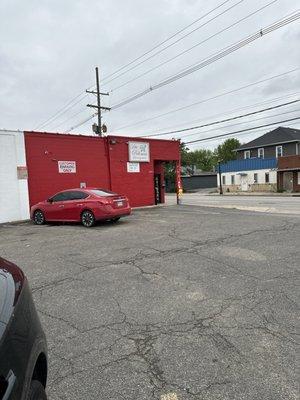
<point>171,303</point>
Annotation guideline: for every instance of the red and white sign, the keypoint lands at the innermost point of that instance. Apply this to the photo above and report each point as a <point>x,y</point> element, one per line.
<point>67,167</point>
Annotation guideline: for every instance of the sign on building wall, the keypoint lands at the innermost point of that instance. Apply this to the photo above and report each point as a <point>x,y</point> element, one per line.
<point>133,167</point>
<point>66,167</point>
<point>22,172</point>
<point>139,151</point>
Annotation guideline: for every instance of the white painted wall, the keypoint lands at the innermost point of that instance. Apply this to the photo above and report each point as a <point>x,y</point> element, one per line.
<point>14,201</point>
<point>249,177</point>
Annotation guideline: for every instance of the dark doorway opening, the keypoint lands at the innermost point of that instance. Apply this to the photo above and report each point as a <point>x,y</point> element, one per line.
<point>157,188</point>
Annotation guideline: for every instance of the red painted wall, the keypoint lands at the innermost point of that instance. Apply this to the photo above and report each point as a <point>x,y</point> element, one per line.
<point>139,187</point>
<point>44,150</point>
<point>100,162</point>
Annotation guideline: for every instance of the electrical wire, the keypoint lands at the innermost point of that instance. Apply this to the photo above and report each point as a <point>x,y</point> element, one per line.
<point>217,56</point>
<point>71,117</point>
<point>223,120</point>
<point>239,123</point>
<point>193,47</point>
<point>81,123</point>
<point>166,40</point>
<point>177,41</point>
<point>210,98</point>
<point>241,131</point>
<point>246,133</point>
<point>228,112</point>
<point>62,110</point>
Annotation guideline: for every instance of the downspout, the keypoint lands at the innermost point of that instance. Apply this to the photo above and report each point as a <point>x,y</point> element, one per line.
<point>107,139</point>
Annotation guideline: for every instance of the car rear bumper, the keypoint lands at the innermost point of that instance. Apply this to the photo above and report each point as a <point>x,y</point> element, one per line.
<point>110,213</point>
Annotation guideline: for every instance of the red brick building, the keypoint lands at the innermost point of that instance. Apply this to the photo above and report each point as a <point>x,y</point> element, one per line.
<point>288,173</point>
<point>130,166</point>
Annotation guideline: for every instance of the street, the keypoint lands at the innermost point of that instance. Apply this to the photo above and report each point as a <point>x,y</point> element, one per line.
<point>186,302</point>
<point>271,204</point>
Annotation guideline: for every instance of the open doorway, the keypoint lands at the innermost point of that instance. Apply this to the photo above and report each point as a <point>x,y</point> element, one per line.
<point>159,182</point>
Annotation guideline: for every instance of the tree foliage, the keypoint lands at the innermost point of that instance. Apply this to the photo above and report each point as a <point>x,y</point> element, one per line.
<point>225,151</point>
<point>206,160</point>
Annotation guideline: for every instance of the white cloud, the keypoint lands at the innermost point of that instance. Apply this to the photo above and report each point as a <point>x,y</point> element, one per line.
<point>49,49</point>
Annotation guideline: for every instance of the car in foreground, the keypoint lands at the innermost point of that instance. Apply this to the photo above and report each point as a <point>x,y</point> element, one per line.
<point>81,205</point>
<point>23,348</point>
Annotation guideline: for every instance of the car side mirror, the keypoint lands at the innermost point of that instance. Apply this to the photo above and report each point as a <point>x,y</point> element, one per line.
<point>50,200</point>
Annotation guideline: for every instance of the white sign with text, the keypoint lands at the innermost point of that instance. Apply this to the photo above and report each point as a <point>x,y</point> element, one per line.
<point>139,151</point>
<point>133,167</point>
<point>67,167</point>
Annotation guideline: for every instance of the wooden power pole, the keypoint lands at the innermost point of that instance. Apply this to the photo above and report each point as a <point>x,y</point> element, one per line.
<point>98,106</point>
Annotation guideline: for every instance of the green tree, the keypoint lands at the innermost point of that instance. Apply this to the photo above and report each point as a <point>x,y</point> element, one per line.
<point>225,151</point>
<point>203,159</point>
<point>185,155</point>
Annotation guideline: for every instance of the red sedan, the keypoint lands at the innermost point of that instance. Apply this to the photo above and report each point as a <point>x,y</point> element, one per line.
<point>81,205</point>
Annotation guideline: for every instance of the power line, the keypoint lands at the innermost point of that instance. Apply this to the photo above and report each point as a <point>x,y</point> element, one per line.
<point>70,118</point>
<point>166,40</point>
<point>176,41</point>
<point>239,123</point>
<point>217,56</point>
<point>193,47</point>
<point>211,98</point>
<point>81,123</point>
<point>228,112</point>
<point>66,107</point>
<point>62,110</point>
<point>246,133</point>
<point>223,120</point>
<point>240,131</point>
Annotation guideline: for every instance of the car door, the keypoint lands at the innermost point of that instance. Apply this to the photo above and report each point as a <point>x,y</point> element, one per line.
<point>54,210</point>
<point>74,204</point>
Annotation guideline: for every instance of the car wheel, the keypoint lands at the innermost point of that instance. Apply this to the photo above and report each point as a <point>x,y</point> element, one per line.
<point>39,217</point>
<point>36,391</point>
<point>115,219</point>
<point>87,219</point>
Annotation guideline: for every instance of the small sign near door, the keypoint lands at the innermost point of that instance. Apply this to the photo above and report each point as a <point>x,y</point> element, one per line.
<point>133,167</point>
<point>67,167</point>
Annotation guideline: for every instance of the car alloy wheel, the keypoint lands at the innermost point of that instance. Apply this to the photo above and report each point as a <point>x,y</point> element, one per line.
<point>39,218</point>
<point>87,219</point>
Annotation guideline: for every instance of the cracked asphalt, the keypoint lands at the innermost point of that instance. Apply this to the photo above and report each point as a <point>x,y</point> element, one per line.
<point>171,303</point>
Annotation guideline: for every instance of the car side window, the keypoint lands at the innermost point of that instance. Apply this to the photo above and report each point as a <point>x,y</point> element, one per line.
<point>77,195</point>
<point>60,197</point>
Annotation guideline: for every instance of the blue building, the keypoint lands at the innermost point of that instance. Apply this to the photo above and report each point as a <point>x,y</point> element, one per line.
<point>255,168</point>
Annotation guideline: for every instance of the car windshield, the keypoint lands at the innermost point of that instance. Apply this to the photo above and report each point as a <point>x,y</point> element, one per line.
<point>102,192</point>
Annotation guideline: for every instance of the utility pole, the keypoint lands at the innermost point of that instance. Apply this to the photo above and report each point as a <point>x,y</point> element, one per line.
<point>98,106</point>
<point>220,178</point>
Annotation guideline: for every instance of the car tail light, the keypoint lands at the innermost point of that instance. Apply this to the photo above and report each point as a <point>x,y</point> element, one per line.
<point>103,202</point>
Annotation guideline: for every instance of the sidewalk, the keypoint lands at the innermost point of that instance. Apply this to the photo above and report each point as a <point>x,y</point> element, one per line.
<point>268,194</point>
<point>276,203</point>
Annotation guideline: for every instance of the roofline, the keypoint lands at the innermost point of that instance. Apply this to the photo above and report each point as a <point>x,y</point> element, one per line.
<point>11,130</point>
<point>79,135</point>
<point>266,145</point>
